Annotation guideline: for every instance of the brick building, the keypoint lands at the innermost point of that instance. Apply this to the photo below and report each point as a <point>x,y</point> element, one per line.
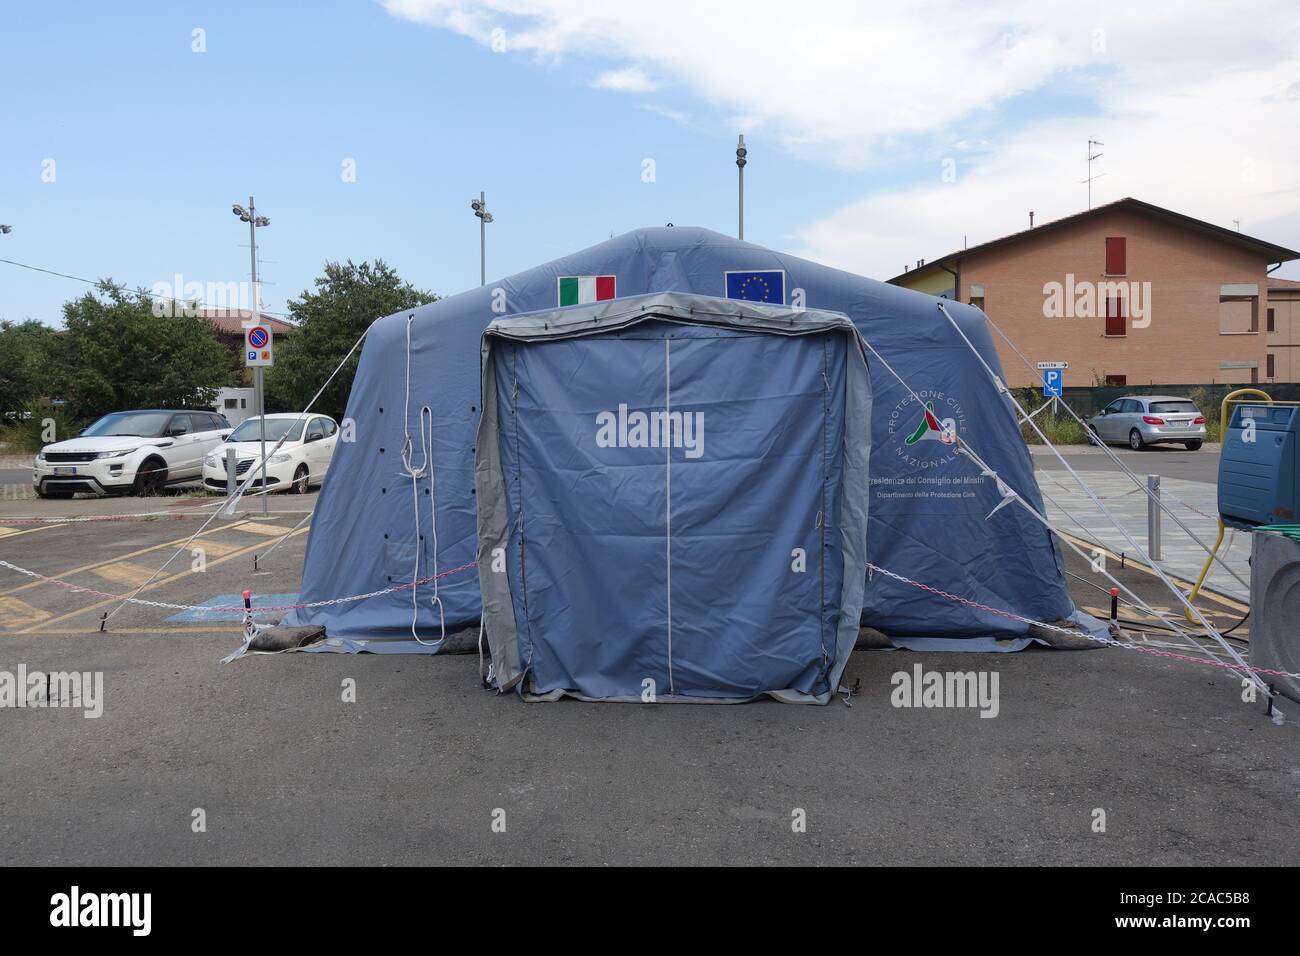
<point>1130,294</point>
<point>1282,331</point>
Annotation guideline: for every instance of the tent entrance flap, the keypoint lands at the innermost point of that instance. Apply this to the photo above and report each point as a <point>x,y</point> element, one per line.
<point>664,505</point>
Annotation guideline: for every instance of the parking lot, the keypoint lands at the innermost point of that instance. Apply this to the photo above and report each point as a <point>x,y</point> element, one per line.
<point>421,764</point>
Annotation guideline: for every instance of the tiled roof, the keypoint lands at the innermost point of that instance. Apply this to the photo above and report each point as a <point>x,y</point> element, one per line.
<point>231,321</point>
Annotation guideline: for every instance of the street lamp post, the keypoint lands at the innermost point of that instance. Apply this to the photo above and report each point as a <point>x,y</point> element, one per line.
<point>741,152</point>
<point>484,217</point>
<point>251,217</point>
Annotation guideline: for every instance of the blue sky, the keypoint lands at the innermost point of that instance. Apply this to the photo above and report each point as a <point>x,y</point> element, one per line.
<point>152,142</point>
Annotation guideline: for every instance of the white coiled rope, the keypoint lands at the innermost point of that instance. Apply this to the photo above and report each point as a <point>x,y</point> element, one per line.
<point>425,428</point>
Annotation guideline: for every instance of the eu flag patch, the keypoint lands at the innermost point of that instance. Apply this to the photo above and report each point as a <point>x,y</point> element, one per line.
<point>757,285</point>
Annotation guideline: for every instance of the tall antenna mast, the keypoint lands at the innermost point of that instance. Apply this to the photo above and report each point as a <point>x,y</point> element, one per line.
<point>1091,157</point>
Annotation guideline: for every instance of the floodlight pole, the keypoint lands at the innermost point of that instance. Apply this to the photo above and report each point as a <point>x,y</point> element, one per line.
<point>258,382</point>
<point>740,171</point>
<point>484,217</point>
<point>249,216</point>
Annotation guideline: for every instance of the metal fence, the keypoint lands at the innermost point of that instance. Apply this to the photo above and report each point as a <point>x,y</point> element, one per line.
<point>1089,401</point>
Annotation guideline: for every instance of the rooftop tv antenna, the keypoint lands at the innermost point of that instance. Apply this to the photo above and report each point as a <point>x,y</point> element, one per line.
<point>1091,157</point>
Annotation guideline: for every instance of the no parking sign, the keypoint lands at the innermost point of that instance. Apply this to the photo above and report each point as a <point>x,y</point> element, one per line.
<point>258,347</point>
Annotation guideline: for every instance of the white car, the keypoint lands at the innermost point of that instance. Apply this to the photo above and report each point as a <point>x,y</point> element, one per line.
<point>1142,420</point>
<point>138,452</point>
<point>299,463</point>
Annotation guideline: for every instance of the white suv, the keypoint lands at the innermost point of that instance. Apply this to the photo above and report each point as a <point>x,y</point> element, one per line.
<point>138,452</point>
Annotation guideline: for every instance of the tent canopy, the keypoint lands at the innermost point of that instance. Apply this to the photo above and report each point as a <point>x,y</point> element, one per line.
<point>929,506</point>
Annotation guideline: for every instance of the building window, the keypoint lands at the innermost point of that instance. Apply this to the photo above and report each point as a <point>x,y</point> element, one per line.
<point>1271,369</point>
<point>1120,380</point>
<point>1271,327</point>
<point>1116,316</point>
<point>1116,256</point>
<point>1240,371</point>
<point>1238,314</point>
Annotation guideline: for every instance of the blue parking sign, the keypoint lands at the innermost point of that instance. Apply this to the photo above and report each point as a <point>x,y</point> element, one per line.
<point>1052,382</point>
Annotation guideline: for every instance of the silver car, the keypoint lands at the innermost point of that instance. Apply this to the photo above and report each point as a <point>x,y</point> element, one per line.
<point>1141,420</point>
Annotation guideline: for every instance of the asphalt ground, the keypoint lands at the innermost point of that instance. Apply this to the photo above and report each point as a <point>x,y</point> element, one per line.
<point>423,762</point>
<point>1167,461</point>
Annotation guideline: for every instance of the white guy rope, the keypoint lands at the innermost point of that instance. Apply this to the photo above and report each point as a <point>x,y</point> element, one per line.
<point>252,473</point>
<point>964,448</point>
<point>1115,459</point>
<point>1155,566</point>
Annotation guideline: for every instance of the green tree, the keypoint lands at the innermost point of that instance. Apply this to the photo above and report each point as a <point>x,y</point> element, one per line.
<point>24,363</point>
<point>347,298</point>
<point>118,353</point>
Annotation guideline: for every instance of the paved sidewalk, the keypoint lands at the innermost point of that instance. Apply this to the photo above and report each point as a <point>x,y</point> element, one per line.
<point>1180,555</point>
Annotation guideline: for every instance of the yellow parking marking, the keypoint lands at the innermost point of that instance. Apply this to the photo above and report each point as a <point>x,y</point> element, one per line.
<point>1139,566</point>
<point>15,532</point>
<point>124,572</point>
<point>261,527</point>
<point>122,557</point>
<point>50,624</point>
<point>16,613</point>
<point>214,548</point>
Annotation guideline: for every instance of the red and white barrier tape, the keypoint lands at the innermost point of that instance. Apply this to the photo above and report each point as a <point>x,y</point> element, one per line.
<point>1108,641</point>
<point>181,511</point>
<point>873,568</point>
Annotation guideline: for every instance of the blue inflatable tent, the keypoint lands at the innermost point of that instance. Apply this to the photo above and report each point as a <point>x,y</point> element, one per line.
<point>399,503</point>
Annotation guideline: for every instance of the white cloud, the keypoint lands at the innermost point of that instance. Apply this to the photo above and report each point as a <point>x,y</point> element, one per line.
<point>667,112</point>
<point>825,72</point>
<point>1197,104</point>
<point>1213,146</point>
<point>628,80</point>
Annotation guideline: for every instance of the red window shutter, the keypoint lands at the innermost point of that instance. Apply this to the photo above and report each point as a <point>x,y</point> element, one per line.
<point>1116,256</point>
<point>1116,316</point>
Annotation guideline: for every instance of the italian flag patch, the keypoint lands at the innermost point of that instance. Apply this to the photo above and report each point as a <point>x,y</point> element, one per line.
<point>579,290</point>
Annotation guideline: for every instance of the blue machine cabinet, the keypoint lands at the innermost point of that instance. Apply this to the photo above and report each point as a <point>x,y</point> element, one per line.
<point>1257,467</point>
